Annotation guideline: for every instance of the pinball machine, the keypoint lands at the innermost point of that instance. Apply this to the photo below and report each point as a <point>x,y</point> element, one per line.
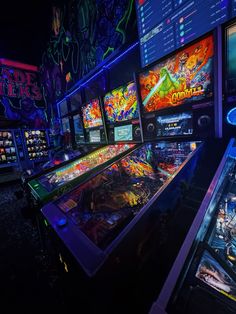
<point>202,278</point>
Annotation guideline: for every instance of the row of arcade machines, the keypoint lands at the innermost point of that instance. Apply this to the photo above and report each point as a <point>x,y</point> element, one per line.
<point>102,221</point>
<point>118,118</point>
<point>104,144</point>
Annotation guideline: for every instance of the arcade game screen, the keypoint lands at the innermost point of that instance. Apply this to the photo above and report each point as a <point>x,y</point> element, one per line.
<point>37,144</point>
<point>175,124</point>
<point>58,177</point>
<point>180,79</point>
<point>104,205</point>
<point>231,59</point>
<point>7,148</point>
<point>121,104</point>
<point>92,115</point>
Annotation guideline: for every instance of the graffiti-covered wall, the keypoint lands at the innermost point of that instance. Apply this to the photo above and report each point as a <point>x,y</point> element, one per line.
<point>21,98</point>
<point>84,33</point>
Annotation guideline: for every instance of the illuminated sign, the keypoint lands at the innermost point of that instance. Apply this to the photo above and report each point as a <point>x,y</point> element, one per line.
<point>21,98</point>
<point>15,83</point>
<point>183,78</point>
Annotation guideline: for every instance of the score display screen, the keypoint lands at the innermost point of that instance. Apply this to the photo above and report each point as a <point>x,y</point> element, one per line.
<point>180,79</point>
<point>170,24</point>
<point>94,136</point>
<point>175,124</point>
<point>123,133</point>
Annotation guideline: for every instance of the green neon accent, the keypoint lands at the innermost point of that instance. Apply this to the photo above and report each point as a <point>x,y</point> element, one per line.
<point>109,49</point>
<point>125,17</point>
<point>45,222</point>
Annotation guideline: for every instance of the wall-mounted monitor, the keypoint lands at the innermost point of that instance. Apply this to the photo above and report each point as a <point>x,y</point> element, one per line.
<point>92,116</point>
<point>121,104</point>
<point>94,136</point>
<point>231,59</point>
<point>175,124</point>
<point>183,78</point>
<point>165,26</point>
<point>123,133</point>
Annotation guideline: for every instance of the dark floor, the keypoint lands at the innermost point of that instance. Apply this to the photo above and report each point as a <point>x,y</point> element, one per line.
<point>28,278</point>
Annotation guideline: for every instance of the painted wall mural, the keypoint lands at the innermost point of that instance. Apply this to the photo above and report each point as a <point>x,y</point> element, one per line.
<point>84,33</point>
<point>21,97</point>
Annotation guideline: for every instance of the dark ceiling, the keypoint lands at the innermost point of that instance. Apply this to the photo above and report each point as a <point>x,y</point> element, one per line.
<point>24,29</point>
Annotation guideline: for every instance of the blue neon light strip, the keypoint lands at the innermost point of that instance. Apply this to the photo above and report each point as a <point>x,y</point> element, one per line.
<point>107,66</point>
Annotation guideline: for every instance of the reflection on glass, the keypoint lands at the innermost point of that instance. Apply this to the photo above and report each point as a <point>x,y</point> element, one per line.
<point>58,177</point>
<point>106,204</point>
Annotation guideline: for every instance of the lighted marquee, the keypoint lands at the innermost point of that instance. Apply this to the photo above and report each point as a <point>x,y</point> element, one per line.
<point>92,115</point>
<point>121,104</point>
<point>20,94</point>
<point>185,77</point>
<point>16,83</point>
